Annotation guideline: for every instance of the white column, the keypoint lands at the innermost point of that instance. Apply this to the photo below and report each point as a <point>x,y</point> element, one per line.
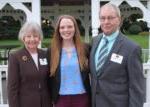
<point>95,6</point>
<point>87,38</point>
<point>148,24</point>
<point>1,91</point>
<point>147,103</point>
<point>36,11</point>
<point>86,23</point>
<point>146,67</point>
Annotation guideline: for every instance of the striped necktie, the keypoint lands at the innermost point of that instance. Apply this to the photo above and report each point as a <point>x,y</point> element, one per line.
<point>103,53</point>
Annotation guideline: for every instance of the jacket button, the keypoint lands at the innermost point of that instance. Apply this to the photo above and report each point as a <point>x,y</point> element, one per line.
<point>97,92</point>
<point>39,86</point>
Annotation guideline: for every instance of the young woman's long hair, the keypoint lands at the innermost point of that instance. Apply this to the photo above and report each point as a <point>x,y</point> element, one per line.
<point>56,46</point>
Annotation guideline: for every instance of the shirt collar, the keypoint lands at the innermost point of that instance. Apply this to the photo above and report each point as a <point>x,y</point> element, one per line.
<point>112,36</point>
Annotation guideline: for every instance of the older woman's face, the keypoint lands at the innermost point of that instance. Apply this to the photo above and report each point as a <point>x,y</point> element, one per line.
<point>31,40</point>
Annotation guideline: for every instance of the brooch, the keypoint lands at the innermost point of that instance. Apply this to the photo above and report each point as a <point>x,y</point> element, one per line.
<point>24,58</point>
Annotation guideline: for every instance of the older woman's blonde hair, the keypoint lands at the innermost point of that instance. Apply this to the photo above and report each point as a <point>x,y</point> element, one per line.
<point>28,27</point>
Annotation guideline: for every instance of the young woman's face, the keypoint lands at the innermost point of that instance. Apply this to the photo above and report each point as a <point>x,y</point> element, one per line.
<point>66,29</point>
<point>31,40</point>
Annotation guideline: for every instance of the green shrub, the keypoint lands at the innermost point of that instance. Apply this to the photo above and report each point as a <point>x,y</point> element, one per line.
<point>135,29</point>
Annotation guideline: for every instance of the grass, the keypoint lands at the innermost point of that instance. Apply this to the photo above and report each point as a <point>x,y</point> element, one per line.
<point>10,42</point>
<point>139,39</point>
<point>45,42</point>
<point>142,40</point>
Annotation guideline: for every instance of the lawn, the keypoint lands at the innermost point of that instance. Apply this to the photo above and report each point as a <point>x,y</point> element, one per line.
<point>19,43</point>
<point>141,40</point>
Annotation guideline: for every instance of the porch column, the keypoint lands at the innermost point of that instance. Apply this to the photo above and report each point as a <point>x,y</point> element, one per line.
<point>86,23</point>
<point>95,6</point>
<point>147,103</point>
<point>36,11</point>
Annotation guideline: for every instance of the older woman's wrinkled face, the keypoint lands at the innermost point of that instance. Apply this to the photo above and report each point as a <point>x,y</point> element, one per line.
<point>31,40</point>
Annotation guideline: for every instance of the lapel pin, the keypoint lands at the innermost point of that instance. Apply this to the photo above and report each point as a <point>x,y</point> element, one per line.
<point>24,58</point>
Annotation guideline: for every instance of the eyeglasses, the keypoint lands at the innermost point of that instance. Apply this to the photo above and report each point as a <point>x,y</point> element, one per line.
<point>109,18</point>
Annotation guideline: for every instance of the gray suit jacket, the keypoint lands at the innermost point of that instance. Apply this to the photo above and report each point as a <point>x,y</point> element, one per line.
<point>118,84</point>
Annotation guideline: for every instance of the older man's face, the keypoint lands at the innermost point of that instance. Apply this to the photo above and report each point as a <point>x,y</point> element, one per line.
<point>109,19</point>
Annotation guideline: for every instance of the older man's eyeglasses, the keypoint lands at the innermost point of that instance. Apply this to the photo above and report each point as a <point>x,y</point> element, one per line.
<point>109,18</point>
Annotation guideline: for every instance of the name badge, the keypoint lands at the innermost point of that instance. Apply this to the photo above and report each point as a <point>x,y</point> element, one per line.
<point>43,61</point>
<point>116,58</point>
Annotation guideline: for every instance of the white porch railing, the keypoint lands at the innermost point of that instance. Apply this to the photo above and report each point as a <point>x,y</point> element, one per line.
<point>3,87</point>
<point>3,57</point>
<point>147,75</point>
<point>145,55</point>
<point>3,77</point>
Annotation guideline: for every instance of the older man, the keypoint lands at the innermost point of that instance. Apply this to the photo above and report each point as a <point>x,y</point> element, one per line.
<point>116,67</point>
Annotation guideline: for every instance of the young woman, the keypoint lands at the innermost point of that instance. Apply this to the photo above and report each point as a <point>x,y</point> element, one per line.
<point>69,67</point>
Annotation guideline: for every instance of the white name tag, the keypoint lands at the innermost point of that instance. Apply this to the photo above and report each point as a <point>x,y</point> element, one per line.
<point>43,61</point>
<point>116,58</point>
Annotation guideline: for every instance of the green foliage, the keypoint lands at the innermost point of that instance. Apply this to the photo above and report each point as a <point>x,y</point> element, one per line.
<point>47,31</point>
<point>134,17</point>
<point>9,28</point>
<point>135,29</point>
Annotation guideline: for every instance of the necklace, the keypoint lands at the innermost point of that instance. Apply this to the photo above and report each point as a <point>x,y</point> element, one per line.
<point>69,50</point>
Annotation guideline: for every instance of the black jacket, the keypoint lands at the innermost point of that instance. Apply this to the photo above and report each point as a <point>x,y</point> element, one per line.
<point>55,80</point>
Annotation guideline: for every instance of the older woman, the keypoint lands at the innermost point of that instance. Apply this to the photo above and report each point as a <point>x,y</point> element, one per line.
<point>28,71</point>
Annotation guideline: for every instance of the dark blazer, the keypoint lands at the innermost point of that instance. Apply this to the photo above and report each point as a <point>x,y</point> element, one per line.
<point>55,80</point>
<point>27,85</point>
<point>118,84</point>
